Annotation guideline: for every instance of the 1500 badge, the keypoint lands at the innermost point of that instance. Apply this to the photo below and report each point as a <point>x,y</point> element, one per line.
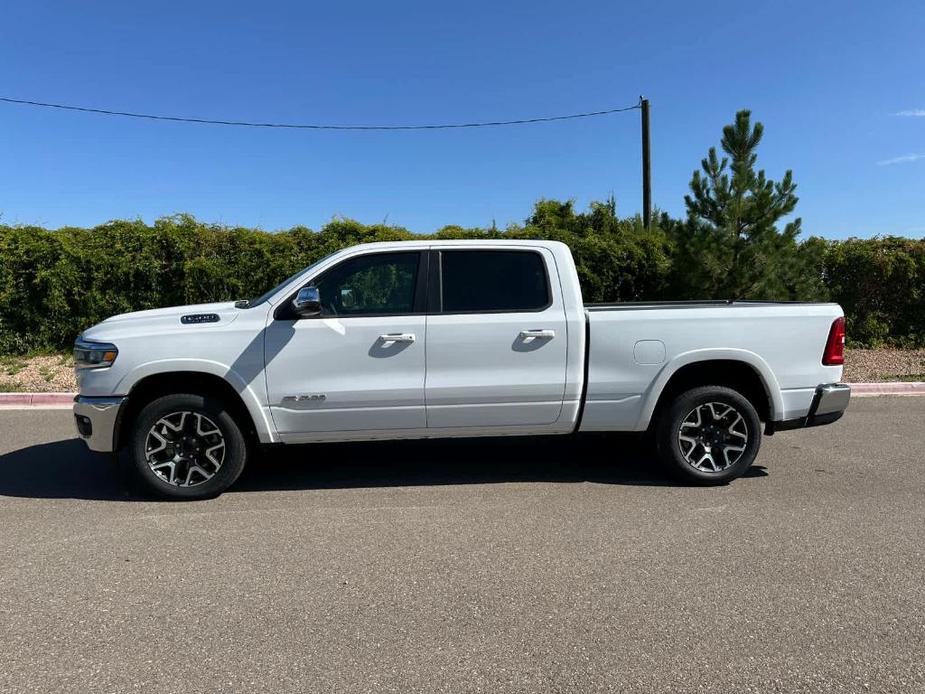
<point>314,397</point>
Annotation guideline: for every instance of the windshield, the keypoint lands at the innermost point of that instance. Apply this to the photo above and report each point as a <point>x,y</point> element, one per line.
<point>266,296</point>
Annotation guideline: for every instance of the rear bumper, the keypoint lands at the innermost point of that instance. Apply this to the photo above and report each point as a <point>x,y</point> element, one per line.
<point>829,404</point>
<point>96,420</point>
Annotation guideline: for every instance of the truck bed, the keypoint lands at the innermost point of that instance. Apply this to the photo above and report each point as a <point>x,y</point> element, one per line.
<point>635,347</point>
<point>693,303</point>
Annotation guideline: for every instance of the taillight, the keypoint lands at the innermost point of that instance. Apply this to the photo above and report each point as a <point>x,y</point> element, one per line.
<point>834,354</point>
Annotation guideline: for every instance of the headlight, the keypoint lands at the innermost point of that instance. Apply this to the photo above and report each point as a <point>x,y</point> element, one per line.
<point>94,355</point>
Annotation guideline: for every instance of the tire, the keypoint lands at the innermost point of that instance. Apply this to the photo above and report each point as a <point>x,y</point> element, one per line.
<point>709,435</point>
<point>187,446</point>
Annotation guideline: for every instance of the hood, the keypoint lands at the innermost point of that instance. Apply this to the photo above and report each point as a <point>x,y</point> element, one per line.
<point>174,318</point>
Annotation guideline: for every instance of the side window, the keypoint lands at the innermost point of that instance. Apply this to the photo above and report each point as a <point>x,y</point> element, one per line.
<point>370,284</point>
<point>483,281</point>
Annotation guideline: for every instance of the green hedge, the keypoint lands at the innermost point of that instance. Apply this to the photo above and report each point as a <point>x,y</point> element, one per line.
<point>880,283</point>
<point>53,284</point>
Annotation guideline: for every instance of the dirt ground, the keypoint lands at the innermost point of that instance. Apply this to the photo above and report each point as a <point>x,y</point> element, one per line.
<point>37,374</point>
<point>877,365</point>
<point>55,373</point>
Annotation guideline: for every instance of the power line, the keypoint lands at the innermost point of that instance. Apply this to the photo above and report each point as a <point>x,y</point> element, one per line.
<point>314,126</point>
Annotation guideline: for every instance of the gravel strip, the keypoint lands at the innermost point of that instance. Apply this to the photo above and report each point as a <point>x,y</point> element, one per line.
<point>47,374</point>
<point>876,365</point>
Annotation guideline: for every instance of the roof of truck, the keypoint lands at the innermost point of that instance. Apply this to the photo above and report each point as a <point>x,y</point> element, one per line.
<point>459,242</point>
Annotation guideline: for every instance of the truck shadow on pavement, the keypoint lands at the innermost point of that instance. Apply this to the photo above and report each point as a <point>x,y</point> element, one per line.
<point>67,470</point>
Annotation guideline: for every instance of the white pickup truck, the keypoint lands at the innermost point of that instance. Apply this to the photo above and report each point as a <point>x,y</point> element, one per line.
<point>437,339</point>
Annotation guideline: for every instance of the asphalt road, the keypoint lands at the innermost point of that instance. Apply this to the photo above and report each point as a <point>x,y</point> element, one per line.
<point>493,566</point>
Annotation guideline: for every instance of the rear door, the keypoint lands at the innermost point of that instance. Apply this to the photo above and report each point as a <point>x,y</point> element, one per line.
<point>496,339</point>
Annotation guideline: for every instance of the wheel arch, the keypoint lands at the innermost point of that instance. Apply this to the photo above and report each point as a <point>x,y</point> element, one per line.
<point>740,370</point>
<point>154,383</point>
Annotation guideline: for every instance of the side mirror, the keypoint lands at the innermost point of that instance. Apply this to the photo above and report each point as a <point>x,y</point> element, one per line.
<point>307,302</point>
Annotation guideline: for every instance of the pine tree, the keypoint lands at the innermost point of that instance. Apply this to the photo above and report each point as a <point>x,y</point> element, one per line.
<point>730,246</point>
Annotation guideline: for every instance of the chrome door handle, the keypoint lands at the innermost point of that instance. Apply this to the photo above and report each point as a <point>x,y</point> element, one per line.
<point>542,334</point>
<point>397,337</point>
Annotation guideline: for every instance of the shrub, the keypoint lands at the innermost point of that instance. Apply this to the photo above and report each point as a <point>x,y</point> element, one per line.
<point>53,284</point>
<point>880,282</point>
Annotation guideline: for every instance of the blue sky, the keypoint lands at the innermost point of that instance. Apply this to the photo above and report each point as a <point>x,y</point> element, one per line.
<point>826,78</point>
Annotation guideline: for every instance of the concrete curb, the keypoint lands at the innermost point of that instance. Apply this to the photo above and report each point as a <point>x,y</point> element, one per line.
<point>862,390</point>
<point>54,401</point>
<point>47,401</point>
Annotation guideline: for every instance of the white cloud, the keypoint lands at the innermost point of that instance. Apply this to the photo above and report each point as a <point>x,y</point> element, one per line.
<point>903,159</point>
<point>912,113</point>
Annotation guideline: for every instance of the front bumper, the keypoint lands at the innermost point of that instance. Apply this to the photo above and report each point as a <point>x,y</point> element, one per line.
<point>829,404</point>
<point>97,419</point>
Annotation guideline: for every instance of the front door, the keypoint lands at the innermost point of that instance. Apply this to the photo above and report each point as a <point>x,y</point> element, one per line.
<point>359,366</point>
<point>496,343</point>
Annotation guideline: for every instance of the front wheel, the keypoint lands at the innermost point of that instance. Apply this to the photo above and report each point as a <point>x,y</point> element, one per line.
<point>709,434</point>
<point>187,446</point>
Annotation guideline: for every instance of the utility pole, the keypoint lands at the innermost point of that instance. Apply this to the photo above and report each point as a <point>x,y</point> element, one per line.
<point>646,165</point>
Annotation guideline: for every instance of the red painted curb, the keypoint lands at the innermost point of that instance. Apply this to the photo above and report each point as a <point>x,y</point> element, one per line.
<point>21,399</point>
<point>894,388</point>
<point>53,399</point>
<point>36,399</point>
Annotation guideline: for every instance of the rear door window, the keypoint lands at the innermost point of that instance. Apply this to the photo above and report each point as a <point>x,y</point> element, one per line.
<point>480,281</point>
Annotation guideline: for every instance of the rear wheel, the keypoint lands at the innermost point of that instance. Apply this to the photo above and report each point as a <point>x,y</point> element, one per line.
<point>709,434</point>
<point>187,446</point>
